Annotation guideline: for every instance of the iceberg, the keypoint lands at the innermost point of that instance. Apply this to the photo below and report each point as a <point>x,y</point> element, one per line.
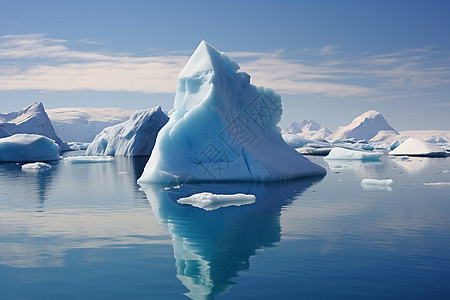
<point>210,201</point>
<point>28,148</point>
<point>438,184</point>
<point>342,153</point>
<point>88,159</point>
<point>37,166</point>
<point>416,147</point>
<point>31,120</point>
<point>223,128</point>
<point>365,127</point>
<point>134,137</point>
<point>380,184</point>
<point>82,124</point>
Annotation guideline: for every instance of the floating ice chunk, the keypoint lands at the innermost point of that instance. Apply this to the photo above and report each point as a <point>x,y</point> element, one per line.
<point>368,181</point>
<point>36,166</point>
<point>78,145</point>
<point>416,147</point>
<point>321,151</point>
<point>445,171</point>
<point>444,183</point>
<point>134,137</point>
<point>342,153</point>
<point>28,148</point>
<point>88,159</point>
<point>209,201</point>
<point>223,128</point>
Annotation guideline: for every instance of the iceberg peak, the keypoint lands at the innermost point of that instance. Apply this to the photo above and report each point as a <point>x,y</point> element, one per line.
<point>205,59</point>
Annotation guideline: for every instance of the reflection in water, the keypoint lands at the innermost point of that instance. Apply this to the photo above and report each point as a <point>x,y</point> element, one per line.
<point>211,247</point>
<point>413,165</point>
<point>363,167</point>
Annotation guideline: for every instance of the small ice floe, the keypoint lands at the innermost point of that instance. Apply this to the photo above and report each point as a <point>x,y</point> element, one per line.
<point>88,159</point>
<point>37,166</point>
<point>347,154</point>
<point>438,184</point>
<point>445,171</point>
<point>209,201</point>
<point>381,184</point>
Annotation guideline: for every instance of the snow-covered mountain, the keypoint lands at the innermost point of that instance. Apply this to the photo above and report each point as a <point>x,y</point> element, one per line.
<point>364,127</point>
<point>82,124</point>
<point>309,129</point>
<point>134,137</point>
<point>31,120</point>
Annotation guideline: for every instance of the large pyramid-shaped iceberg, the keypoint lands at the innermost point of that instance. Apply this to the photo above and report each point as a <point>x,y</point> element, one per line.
<point>223,128</point>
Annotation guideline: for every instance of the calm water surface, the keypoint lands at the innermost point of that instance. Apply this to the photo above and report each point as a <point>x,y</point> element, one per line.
<point>88,231</point>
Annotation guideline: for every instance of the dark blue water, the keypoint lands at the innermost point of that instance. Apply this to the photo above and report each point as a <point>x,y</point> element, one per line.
<point>88,231</point>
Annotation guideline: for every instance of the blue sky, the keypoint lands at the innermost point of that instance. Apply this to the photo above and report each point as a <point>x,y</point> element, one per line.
<point>329,60</point>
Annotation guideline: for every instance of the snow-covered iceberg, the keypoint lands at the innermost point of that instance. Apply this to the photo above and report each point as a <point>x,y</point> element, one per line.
<point>31,120</point>
<point>364,127</point>
<point>416,147</point>
<point>347,154</point>
<point>134,137</point>
<point>223,128</point>
<point>28,148</point>
<point>210,201</point>
<point>82,124</point>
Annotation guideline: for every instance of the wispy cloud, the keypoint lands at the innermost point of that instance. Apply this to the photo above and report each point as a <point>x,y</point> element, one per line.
<point>37,62</point>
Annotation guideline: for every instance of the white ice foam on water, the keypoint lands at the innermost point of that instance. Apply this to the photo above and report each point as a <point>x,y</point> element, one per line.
<point>209,201</point>
<point>36,166</point>
<point>88,159</point>
<point>223,128</point>
<point>28,148</point>
<point>443,183</point>
<point>347,154</point>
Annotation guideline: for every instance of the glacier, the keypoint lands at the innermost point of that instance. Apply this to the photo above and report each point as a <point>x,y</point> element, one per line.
<point>309,129</point>
<point>32,119</point>
<point>28,148</point>
<point>134,137</point>
<point>223,128</point>
<point>82,124</point>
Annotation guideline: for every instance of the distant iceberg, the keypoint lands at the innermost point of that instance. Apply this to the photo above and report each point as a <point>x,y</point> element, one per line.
<point>28,148</point>
<point>31,120</point>
<point>416,147</point>
<point>223,128</point>
<point>134,137</point>
<point>342,153</point>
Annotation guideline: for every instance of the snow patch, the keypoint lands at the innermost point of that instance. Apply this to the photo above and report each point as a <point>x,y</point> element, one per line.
<point>209,201</point>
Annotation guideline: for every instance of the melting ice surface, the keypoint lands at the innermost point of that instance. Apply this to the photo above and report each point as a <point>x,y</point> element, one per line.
<point>223,128</point>
<point>88,231</point>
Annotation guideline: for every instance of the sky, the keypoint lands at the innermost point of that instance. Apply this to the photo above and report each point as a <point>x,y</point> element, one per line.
<point>329,60</point>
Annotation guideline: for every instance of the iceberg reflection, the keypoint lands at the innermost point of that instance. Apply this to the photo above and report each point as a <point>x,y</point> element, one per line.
<point>211,247</point>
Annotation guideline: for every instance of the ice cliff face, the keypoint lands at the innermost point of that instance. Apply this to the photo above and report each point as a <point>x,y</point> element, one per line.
<point>134,137</point>
<point>309,129</point>
<point>31,120</point>
<point>364,127</point>
<point>223,128</point>
<point>82,124</point>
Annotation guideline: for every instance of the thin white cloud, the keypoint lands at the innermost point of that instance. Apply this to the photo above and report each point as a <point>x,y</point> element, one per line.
<point>37,62</point>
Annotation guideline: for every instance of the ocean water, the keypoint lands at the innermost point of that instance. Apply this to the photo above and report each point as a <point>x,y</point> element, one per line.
<point>88,231</point>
